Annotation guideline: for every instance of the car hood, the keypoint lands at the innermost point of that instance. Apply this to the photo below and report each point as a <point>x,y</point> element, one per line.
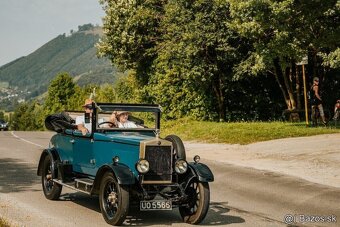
<point>125,137</point>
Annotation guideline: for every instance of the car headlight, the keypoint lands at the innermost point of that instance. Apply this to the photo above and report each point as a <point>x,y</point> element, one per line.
<point>181,166</point>
<point>142,166</point>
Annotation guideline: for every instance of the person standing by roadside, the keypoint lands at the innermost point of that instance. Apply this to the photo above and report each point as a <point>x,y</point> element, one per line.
<point>336,110</point>
<point>316,101</point>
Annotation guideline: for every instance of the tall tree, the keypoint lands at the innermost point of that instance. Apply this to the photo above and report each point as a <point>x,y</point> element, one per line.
<point>60,91</point>
<point>131,32</point>
<point>27,116</point>
<point>282,32</point>
<point>182,51</point>
<point>196,58</point>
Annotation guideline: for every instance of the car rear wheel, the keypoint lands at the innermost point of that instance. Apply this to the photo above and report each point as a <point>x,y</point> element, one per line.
<point>113,200</point>
<point>178,146</point>
<point>198,202</point>
<point>51,189</point>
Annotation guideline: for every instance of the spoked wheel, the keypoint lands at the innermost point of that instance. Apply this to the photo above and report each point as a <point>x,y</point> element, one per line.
<point>113,200</point>
<point>199,198</point>
<point>51,189</point>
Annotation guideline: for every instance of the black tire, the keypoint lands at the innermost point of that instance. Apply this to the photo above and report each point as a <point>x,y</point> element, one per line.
<point>199,198</point>
<point>51,189</point>
<point>178,146</point>
<point>113,200</point>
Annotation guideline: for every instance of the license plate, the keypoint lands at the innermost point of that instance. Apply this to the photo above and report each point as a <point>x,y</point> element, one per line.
<point>156,205</point>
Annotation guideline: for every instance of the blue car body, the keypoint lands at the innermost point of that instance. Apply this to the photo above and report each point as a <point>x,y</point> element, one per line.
<point>89,154</point>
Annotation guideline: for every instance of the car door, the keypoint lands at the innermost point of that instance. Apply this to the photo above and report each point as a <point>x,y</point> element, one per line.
<point>64,146</point>
<point>83,159</point>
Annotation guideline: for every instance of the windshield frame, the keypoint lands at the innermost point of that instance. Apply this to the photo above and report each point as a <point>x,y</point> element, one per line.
<point>110,107</point>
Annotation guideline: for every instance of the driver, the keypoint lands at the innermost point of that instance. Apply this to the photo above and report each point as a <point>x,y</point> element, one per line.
<point>80,120</point>
<point>120,120</point>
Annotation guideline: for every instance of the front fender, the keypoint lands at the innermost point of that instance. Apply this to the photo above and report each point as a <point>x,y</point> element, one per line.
<point>202,172</point>
<point>122,173</point>
<point>54,157</point>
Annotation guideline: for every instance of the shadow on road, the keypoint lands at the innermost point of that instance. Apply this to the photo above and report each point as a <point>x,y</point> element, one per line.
<point>217,214</point>
<point>90,202</point>
<point>17,176</point>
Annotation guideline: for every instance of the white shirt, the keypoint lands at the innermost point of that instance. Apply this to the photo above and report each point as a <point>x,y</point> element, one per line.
<point>81,120</point>
<point>127,124</point>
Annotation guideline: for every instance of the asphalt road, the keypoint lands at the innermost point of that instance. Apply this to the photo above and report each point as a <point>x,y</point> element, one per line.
<point>239,196</point>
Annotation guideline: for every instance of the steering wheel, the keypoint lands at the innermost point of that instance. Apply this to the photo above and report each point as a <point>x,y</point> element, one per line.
<point>107,122</point>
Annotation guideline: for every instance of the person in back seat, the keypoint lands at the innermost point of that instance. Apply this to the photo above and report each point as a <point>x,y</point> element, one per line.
<point>80,120</point>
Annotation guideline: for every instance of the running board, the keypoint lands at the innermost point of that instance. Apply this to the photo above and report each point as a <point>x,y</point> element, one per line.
<point>84,184</point>
<point>68,185</point>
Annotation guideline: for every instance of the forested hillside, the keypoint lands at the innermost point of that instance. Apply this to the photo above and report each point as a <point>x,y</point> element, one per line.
<point>74,53</point>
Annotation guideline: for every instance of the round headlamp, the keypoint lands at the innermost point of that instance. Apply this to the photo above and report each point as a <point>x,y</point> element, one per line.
<point>142,166</point>
<point>181,166</point>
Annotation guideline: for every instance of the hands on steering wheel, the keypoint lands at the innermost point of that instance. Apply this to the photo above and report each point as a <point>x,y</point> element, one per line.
<point>110,123</point>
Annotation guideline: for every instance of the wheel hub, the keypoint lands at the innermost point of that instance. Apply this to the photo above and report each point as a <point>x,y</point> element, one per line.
<point>112,198</point>
<point>49,177</point>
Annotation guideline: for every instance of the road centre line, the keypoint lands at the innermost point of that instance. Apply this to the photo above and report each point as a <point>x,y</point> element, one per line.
<point>27,141</point>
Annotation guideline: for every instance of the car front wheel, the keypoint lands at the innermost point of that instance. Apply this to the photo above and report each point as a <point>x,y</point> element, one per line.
<point>51,189</point>
<point>113,200</point>
<point>198,202</point>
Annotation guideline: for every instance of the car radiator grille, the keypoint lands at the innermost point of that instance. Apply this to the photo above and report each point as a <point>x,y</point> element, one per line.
<point>160,160</point>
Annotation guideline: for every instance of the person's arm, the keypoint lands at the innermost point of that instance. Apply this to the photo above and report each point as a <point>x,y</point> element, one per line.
<point>316,91</point>
<point>336,106</point>
<point>83,129</point>
<point>80,125</point>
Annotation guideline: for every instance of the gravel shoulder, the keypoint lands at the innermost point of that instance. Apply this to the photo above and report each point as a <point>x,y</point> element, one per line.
<point>314,158</point>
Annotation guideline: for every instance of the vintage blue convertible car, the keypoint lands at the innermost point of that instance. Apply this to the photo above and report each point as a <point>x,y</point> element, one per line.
<point>124,165</point>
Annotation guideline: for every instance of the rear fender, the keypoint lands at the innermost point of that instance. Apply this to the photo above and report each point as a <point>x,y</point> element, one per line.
<point>122,173</point>
<point>55,159</point>
<point>202,172</point>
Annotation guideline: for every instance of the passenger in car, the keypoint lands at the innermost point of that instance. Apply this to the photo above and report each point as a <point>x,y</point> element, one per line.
<point>120,120</point>
<point>80,120</point>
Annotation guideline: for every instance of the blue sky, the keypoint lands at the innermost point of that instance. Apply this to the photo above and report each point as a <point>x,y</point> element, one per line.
<point>28,24</point>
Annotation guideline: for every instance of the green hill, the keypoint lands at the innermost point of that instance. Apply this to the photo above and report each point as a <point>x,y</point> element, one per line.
<point>74,54</point>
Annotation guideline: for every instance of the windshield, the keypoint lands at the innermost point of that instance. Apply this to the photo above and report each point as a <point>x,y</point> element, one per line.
<point>127,117</point>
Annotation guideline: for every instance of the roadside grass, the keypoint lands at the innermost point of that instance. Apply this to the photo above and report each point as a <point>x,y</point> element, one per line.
<point>239,132</point>
<point>4,85</point>
<point>4,223</point>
